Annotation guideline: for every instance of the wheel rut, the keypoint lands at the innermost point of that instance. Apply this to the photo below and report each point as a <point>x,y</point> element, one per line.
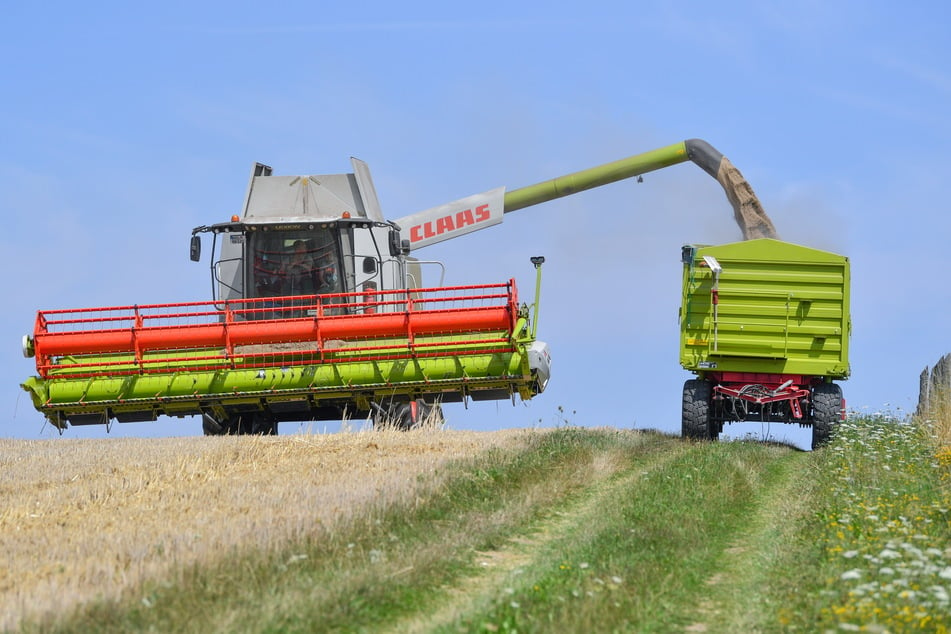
<point>747,562</point>
<point>501,571</point>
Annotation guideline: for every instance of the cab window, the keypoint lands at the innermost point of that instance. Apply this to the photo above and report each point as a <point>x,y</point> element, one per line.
<point>295,263</point>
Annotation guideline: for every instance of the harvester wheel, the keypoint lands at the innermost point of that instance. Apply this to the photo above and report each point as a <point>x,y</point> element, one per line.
<point>240,425</point>
<point>406,416</point>
<point>695,422</point>
<point>826,412</point>
<point>431,415</point>
<point>261,426</point>
<point>211,427</point>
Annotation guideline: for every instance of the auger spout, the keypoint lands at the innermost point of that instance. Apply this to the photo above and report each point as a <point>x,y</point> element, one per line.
<point>747,209</point>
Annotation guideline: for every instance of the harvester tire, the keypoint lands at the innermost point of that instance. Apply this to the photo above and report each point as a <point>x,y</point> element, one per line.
<point>695,421</point>
<point>262,426</point>
<point>406,416</point>
<point>826,412</point>
<point>211,427</point>
<point>240,425</point>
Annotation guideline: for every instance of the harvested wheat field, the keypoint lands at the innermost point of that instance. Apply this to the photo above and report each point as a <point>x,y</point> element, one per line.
<point>87,518</point>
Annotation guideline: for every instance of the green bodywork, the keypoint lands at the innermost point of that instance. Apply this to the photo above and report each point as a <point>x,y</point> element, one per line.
<point>613,172</point>
<point>299,387</point>
<point>783,309</point>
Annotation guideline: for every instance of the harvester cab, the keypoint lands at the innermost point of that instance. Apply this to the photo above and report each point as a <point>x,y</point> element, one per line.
<point>306,235</point>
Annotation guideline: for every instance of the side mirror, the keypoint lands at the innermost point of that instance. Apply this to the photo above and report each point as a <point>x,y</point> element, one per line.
<point>194,251</point>
<point>398,247</point>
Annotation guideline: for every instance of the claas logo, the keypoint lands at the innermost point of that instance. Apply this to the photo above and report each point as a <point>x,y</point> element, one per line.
<point>450,222</point>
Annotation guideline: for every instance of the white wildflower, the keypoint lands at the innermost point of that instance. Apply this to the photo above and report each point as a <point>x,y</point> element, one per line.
<point>940,593</point>
<point>851,574</point>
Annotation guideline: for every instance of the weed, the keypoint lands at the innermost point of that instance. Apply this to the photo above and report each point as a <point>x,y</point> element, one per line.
<point>881,530</point>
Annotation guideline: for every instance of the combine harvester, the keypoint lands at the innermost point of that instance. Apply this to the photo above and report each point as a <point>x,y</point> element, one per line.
<point>318,312</point>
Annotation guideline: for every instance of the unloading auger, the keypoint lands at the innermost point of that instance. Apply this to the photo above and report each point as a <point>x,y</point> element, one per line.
<point>318,312</point>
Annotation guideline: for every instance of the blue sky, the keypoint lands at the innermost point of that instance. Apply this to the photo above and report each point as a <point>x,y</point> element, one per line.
<point>123,126</point>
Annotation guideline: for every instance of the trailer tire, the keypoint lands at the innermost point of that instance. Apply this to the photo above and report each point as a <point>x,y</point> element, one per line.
<point>695,420</point>
<point>826,412</point>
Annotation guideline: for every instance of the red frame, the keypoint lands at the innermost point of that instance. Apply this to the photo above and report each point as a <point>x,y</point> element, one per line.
<point>163,332</point>
<point>732,383</point>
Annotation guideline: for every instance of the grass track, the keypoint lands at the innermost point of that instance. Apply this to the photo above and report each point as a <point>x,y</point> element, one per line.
<point>647,560</point>
<point>756,556</point>
<point>579,530</point>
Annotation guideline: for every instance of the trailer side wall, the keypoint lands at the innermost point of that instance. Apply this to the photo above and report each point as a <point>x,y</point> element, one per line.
<point>776,308</point>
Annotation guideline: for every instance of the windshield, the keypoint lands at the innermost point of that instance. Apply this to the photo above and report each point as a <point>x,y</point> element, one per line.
<point>295,263</point>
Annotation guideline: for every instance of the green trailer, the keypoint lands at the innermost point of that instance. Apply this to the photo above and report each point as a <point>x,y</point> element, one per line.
<point>764,326</point>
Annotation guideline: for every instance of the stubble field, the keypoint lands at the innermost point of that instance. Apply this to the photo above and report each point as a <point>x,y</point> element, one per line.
<point>82,519</point>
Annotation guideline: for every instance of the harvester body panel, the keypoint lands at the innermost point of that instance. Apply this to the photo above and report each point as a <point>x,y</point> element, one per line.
<point>774,308</point>
<point>454,219</point>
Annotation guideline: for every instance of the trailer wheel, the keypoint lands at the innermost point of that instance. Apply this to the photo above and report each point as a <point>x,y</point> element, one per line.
<point>826,412</point>
<point>695,421</point>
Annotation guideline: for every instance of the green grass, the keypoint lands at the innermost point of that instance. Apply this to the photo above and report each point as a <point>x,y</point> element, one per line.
<point>606,531</point>
<point>643,561</point>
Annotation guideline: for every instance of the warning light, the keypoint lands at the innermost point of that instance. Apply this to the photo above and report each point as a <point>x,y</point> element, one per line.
<point>346,214</point>
<point>235,218</point>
